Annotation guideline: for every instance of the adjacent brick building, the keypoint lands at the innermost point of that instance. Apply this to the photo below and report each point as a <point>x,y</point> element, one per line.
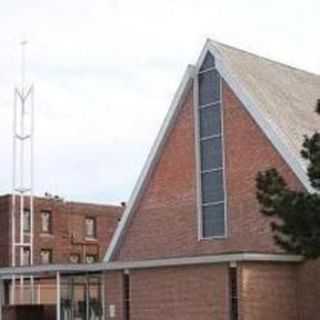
<point>64,231</point>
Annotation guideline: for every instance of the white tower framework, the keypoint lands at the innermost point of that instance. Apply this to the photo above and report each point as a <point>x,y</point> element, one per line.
<point>22,211</point>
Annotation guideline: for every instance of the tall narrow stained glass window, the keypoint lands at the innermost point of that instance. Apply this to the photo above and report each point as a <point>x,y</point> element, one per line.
<point>211,150</point>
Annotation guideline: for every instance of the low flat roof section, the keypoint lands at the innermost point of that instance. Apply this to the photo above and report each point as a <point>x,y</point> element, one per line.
<point>144,264</point>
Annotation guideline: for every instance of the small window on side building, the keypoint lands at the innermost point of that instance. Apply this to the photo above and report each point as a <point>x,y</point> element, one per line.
<point>90,227</point>
<point>26,220</point>
<point>91,258</point>
<point>74,258</point>
<point>46,221</point>
<point>26,257</point>
<point>46,256</point>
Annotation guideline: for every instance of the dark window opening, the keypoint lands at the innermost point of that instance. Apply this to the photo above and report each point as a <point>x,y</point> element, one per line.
<point>210,120</point>
<point>74,258</point>
<point>233,291</point>
<point>208,62</point>
<point>209,87</point>
<point>46,221</point>
<point>126,295</point>
<point>91,258</point>
<point>26,220</point>
<point>90,227</point>
<point>46,256</point>
<point>26,257</point>
<point>211,153</point>
<point>213,220</point>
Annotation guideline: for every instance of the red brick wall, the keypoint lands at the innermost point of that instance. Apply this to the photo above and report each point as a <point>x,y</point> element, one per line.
<point>180,293</point>
<point>309,290</point>
<point>68,220</point>
<point>265,291</point>
<point>268,291</point>
<point>114,294</point>
<point>165,223</point>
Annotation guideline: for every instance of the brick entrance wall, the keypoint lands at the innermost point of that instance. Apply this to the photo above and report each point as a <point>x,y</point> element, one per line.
<point>309,290</point>
<point>268,291</point>
<point>176,293</point>
<point>265,291</point>
<point>182,293</point>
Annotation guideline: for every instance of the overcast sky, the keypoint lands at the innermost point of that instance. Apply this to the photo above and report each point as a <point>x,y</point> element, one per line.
<point>106,71</point>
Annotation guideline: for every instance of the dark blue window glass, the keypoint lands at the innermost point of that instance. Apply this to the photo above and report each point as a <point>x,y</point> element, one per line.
<point>211,154</point>
<point>212,186</point>
<point>209,87</point>
<point>211,150</point>
<point>213,220</point>
<point>208,62</point>
<point>210,121</point>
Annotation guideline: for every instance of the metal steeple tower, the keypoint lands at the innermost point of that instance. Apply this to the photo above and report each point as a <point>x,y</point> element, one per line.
<point>22,211</point>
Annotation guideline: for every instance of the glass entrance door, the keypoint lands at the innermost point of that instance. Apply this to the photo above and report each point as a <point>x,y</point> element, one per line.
<point>81,298</point>
<point>95,309</point>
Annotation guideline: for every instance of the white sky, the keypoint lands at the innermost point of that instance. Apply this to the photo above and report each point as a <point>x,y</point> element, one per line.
<point>106,71</point>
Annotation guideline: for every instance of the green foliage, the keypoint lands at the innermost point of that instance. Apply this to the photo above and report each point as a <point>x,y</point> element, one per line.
<point>311,152</point>
<point>295,214</point>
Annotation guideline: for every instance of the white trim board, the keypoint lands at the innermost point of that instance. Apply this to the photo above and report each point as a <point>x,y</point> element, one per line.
<point>46,270</point>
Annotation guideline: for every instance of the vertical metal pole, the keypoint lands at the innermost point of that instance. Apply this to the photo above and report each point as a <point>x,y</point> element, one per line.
<point>13,204</point>
<point>58,302</point>
<point>22,101</point>
<point>23,63</point>
<point>22,184</point>
<point>32,194</point>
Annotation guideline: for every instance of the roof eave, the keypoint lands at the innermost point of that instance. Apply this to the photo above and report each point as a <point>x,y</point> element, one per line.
<point>47,270</point>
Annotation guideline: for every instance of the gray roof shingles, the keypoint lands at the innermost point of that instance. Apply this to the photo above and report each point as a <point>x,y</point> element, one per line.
<point>285,96</point>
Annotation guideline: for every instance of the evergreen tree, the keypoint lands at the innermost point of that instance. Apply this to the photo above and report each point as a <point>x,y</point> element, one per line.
<point>296,223</point>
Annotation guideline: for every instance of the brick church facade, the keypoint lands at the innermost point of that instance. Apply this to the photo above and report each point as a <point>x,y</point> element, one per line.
<point>191,243</point>
<point>192,235</point>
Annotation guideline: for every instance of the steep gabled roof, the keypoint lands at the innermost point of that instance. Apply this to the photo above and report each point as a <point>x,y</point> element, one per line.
<point>285,96</point>
<point>280,98</point>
